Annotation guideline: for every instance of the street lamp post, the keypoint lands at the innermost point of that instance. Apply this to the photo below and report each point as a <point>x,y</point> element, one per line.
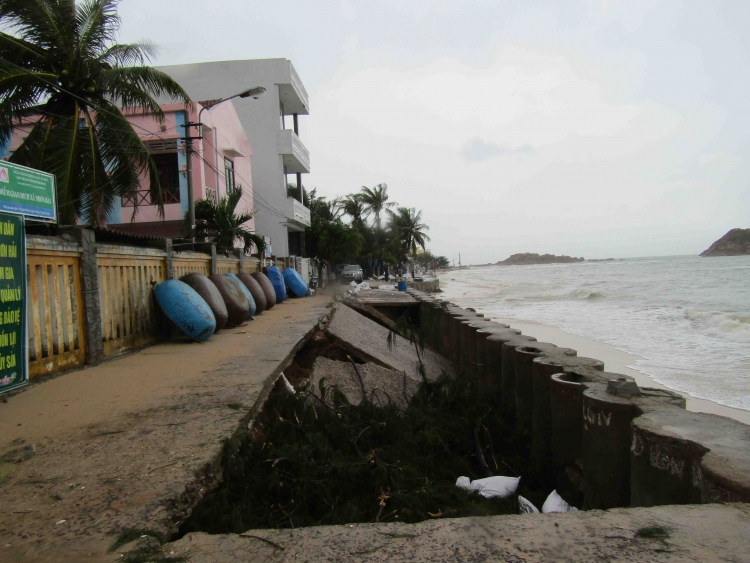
<point>255,93</point>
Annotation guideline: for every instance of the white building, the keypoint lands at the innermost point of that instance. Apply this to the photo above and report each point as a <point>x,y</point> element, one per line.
<point>272,127</point>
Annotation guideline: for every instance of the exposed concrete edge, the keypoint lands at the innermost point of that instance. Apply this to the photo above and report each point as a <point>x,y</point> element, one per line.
<point>209,476</point>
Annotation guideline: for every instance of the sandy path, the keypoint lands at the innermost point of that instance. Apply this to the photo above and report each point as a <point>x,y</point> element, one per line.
<point>133,442</point>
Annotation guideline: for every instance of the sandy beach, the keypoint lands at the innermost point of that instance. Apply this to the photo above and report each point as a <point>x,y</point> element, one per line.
<point>617,361</point>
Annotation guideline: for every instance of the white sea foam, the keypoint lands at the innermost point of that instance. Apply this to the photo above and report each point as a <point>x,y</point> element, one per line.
<point>688,318</point>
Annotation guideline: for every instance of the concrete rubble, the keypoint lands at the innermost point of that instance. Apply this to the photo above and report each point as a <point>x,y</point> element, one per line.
<point>367,340</point>
<point>383,386</point>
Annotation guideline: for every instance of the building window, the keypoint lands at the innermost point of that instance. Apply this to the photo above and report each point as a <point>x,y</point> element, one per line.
<point>229,174</point>
<point>167,168</point>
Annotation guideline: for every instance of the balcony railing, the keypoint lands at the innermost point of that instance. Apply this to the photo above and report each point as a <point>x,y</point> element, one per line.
<point>296,156</point>
<point>298,212</point>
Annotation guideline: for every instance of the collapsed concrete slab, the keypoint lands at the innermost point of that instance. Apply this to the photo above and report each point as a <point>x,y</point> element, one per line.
<point>382,386</point>
<point>368,341</point>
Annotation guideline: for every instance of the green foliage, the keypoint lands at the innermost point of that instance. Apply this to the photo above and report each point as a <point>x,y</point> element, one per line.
<point>306,464</point>
<point>61,70</point>
<point>218,223</point>
<point>293,191</point>
<point>408,230</point>
<point>335,241</point>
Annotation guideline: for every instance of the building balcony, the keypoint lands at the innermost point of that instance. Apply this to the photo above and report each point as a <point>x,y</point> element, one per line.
<point>292,92</point>
<point>298,215</point>
<point>296,156</point>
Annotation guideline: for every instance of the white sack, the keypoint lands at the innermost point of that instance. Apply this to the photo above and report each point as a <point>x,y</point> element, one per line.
<point>555,503</point>
<point>525,506</point>
<point>490,487</point>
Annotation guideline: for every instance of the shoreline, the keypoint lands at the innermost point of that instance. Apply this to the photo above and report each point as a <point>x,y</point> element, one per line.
<point>615,361</point>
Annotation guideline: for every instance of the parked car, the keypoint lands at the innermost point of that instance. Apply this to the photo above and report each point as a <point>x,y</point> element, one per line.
<point>351,273</point>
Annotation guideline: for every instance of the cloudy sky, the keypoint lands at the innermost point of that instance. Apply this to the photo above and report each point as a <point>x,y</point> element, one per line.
<point>593,128</point>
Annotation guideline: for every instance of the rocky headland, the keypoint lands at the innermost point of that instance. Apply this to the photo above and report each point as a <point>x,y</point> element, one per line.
<point>735,243</point>
<point>527,258</point>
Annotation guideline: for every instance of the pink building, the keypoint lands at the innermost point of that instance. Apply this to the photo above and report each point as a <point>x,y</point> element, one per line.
<point>220,162</point>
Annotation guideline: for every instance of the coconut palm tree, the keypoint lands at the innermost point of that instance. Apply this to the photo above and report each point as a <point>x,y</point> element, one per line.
<point>353,206</point>
<point>409,230</point>
<point>63,75</point>
<point>375,200</point>
<point>218,223</point>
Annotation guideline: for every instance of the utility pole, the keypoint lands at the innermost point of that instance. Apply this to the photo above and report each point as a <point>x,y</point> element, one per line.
<point>189,171</point>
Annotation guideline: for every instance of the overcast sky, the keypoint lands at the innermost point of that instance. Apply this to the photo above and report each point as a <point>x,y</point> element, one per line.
<point>593,128</point>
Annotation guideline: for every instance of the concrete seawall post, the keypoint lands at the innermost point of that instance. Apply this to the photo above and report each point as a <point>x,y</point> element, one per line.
<point>454,335</point>
<point>508,373</point>
<point>484,358</point>
<point>542,370</point>
<point>683,457</point>
<point>494,369</point>
<point>566,410</point>
<point>524,384</point>
<point>606,449</point>
<point>476,361</point>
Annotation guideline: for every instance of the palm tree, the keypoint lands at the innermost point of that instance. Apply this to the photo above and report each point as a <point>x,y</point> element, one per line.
<point>217,223</point>
<point>409,230</point>
<point>62,74</point>
<point>376,200</point>
<point>353,206</point>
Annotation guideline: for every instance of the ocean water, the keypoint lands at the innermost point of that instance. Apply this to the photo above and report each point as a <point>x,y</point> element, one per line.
<point>687,317</point>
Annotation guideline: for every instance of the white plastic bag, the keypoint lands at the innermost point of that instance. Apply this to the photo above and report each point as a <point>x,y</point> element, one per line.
<point>490,487</point>
<point>555,503</point>
<point>525,506</point>
<point>388,287</point>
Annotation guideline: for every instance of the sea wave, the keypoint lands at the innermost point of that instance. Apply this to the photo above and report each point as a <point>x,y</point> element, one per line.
<point>586,294</point>
<point>723,325</point>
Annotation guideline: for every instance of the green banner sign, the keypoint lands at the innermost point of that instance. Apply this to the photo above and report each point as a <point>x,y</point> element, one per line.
<point>13,348</point>
<point>25,191</point>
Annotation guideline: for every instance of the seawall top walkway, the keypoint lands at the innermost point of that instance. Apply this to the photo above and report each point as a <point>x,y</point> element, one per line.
<point>132,442</point>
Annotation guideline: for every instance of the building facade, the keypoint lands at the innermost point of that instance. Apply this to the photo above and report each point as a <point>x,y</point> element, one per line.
<point>220,162</point>
<point>272,127</point>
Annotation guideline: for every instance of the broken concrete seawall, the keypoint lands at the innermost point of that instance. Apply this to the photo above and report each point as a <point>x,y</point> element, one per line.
<point>615,444</point>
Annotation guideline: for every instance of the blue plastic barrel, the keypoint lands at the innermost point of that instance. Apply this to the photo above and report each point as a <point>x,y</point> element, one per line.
<point>402,286</point>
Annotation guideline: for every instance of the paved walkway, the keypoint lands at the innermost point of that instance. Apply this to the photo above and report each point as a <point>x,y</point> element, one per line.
<point>132,442</point>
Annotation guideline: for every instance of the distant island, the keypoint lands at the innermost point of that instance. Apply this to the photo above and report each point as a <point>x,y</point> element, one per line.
<point>527,258</point>
<point>735,243</point>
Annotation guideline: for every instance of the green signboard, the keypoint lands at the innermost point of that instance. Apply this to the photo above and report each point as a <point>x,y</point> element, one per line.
<point>13,348</point>
<point>25,191</point>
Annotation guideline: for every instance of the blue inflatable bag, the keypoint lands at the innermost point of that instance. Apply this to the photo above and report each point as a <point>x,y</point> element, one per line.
<point>277,280</point>
<point>295,282</point>
<point>185,308</point>
<point>246,291</point>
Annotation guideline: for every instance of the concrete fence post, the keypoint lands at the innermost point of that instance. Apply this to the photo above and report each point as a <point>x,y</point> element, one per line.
<point>92,316</point>
<point>169,248</point>
<point>240,253</point>
<point>213,259</point>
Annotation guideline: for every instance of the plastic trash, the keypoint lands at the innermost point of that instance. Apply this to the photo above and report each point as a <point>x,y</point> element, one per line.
<point>288,385</point>
<point>490,487</point>
<point>525,506</point>
<point>353,284</point>
<point>388,287</point>
<point>555,503</point>
<point>363,285</point>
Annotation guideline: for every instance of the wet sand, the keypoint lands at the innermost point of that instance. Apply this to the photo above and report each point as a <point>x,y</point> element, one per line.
<point>616,361</point>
